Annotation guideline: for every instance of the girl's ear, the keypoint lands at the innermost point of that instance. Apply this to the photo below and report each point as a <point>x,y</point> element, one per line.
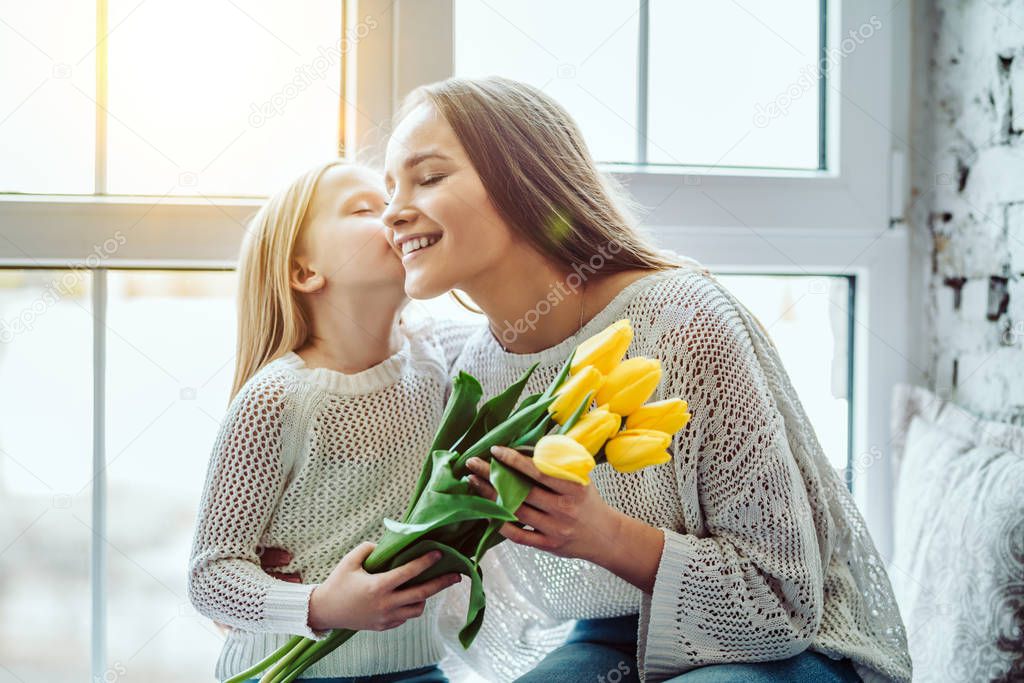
<point>304,278</point>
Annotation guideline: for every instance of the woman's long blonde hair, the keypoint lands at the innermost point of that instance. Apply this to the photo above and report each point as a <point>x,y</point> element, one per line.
<point>271,319</point>
<point>535,166</point>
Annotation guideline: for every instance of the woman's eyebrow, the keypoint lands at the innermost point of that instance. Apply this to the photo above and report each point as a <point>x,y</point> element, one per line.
<point>420,157</point>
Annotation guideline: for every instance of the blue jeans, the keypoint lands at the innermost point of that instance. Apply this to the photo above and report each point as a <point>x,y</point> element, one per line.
<point>604,651</point>
<point>426,674</point>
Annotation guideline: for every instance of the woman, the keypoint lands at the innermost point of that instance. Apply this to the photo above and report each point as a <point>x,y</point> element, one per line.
<point>745,559</point>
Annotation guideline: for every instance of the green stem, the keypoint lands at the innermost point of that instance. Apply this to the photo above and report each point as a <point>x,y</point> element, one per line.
<point>314,654</point>
<point>266,662</point>
<point>282,665</point>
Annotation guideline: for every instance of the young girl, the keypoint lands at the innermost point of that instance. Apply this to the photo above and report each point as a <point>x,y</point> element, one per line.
<point>333,408</point>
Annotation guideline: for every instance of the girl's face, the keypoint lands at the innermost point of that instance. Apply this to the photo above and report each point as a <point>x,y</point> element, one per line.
<point>344,239</point>
<point>438,199</point>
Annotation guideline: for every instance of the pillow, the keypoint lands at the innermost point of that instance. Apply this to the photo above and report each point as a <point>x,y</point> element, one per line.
<point>958,561</point>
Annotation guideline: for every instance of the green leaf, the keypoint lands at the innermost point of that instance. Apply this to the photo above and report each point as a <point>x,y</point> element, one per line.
<point>503,434</point>
<point>446,500</point>
<point>459,414</point>
<point>529,401</point>
<point>562,374</point>
<point>531,437</point>
<point>576,415</point>
<point>451,561</point>
<point>512,487</point>
<point>494,411</point>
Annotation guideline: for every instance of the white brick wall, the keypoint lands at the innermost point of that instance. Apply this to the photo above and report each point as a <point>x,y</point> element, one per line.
<point>968,161</point>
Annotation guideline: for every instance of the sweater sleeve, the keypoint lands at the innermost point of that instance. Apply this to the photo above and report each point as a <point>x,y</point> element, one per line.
<point>747,583</point>
<point>452,336</point>
<point>244,483</point>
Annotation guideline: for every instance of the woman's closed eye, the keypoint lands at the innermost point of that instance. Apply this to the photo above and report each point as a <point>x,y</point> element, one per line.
<point>432,180</point>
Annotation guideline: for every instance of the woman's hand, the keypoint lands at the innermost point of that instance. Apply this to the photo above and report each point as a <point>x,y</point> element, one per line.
<point>572,520</point>
<point>353,598</point>
<point>569,519</point>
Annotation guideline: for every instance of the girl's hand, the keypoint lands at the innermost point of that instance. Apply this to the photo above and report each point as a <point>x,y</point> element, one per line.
<point>353,598</point>
<point>273,558</point>
<point>569,519</point>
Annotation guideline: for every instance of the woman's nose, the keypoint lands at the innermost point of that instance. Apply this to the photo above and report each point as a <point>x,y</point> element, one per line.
<point>395,215</point>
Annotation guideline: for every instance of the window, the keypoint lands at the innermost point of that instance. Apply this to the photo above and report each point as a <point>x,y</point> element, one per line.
<point>636,77</point>
<point>46,439</point>
<point>177,98</point>
<point>166,351</point>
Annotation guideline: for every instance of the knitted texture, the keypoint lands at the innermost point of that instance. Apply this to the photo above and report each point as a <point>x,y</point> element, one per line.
<point>765,553</point>
<point>312,461</point>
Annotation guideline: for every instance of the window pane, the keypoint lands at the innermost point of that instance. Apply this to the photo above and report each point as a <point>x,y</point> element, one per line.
<point>808,319</point>
<point>734,83</point>
<point>221,98</point>
<point>170,360</point>
<point>47,116</point>
<point>581,52</point>
<point>45,472</point>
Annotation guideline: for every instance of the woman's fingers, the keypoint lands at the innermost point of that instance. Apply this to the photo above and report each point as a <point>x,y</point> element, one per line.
<point>483,487</point>
<point>410,570</point>
<point>516,460</point>
<point>527,514</point>
<point>479,467</point>
<point>543,499</point>
<point>522,536</point>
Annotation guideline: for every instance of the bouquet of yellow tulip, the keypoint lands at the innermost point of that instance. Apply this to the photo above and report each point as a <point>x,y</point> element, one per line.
<point>620,389</point>
<point>443,512</point>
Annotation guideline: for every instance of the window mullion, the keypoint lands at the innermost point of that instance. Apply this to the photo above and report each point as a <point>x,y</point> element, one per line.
<point>98,554</point>
<point>100,152</point>
<point>642,76</point>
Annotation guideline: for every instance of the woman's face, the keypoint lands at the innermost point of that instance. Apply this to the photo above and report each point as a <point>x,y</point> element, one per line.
<point>345,239</point>
<point>438,199</point>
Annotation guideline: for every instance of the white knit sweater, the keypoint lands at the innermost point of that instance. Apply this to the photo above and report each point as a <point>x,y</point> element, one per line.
<point>765,553</point>
<point>312,461</point>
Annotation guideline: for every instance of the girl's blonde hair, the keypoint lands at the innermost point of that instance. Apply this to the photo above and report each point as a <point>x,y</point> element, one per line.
<point>271,319</point>
<point>535,166</point>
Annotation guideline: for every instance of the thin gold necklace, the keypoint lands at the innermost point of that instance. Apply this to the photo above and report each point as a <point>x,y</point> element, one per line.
<point>583,291</point>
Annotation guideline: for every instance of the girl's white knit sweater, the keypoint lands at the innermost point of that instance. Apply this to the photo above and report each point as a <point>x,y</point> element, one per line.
<point>312,461</point>
<point>765,552</point>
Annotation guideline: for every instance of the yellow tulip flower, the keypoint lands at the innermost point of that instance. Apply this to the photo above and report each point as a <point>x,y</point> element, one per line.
<point>667,416</point>
<point>571,394</point>
<point>634,449</point>
<point>605,349</point>
<point>562,457</point>
<point>595,427</point>
<point>630,384</point>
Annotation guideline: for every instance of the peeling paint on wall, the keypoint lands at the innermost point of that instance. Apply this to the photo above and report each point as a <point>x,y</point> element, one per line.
<point>970,177</point>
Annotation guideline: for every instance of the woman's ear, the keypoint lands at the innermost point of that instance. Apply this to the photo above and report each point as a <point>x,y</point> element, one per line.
<point>303,278</point>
